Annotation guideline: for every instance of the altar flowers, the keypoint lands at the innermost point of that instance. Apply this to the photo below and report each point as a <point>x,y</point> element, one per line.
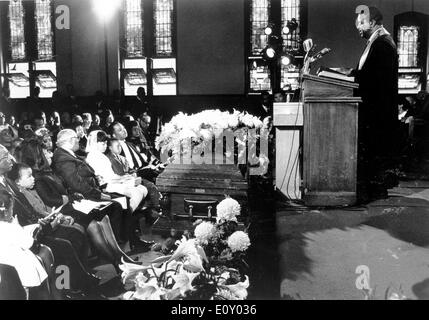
<point>208,266</point>
<point>192,135</point>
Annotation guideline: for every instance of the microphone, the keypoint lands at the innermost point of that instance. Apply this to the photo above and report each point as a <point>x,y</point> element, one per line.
<point>320,54</point>
<point>308,45</point>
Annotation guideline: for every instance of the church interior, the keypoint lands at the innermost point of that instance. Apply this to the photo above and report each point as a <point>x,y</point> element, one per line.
<point>95,95</point>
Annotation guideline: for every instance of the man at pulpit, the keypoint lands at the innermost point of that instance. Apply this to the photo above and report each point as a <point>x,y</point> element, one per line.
<point>377,76</point>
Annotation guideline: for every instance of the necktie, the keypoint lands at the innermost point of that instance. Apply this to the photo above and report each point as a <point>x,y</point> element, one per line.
<point>133,156</point>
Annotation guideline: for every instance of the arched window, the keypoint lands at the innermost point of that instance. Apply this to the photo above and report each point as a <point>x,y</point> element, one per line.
<point>278,14</point>
<point>259,18</point>
<point>148,59</point>
<point>411,40</point>
<point>134,28</point>
<point>164,60</point>
<point>16,25</point>
<point>291,9</point>
<point>408,46</point>
<point>28,33</point>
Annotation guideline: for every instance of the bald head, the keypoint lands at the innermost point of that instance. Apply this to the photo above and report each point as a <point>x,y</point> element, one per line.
<point>67,139</point>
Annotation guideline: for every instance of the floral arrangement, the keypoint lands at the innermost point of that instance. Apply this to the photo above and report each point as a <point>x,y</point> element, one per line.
<point>209,266</point>
<point>199,129</point>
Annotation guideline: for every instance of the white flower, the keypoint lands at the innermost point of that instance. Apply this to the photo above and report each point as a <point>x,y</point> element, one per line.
<point>204,232</point>
<point>239,290</point>
<point>149,290</point>
<point>140,280</point>
<point>185,248</point>
<point>206,134</point>
<point>226,294</point>
<point>227,210</point>
<point>238,241</point>
<point>130,271</point>
<point>193,263</point>
<point>223,277</point>
<point>183,281</point>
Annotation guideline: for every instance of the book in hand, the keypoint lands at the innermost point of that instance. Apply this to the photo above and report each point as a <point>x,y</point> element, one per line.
<point>336,73</point>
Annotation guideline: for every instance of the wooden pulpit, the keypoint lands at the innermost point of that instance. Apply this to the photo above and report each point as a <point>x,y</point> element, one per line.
<point>288,122</point>
<point>330,140</point>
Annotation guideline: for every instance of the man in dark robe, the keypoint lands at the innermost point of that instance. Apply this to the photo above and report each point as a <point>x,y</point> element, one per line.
<point>377,76</point>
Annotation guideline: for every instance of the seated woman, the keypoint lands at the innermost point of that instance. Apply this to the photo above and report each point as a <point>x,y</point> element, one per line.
<point>16,246</point>
<point>127,185</point>
<point>53,193</point>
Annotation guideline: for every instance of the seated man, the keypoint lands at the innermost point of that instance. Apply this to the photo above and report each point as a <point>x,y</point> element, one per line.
<point>146,171</point>
<point>79,177</point>
<point>121,167</point>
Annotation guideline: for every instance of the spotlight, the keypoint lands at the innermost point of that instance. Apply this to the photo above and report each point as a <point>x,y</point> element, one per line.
<point>105,9</point>
<point>270,53</point>
<point>268,29</point>
<point>273,49</point>
<point>286,30</point>
<point>286,60</point>
<point>290,26</point>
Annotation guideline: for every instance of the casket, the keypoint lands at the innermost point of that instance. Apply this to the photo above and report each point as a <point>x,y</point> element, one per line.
<point>192,191</point>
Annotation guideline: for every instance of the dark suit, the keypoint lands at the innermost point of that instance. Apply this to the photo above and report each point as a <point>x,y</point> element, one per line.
<point>51,190</point>
<point>378,120</point>
<point>134,164</point>
<point>76,174</point>
<point>117,166</point>
<point>79,177</point>
<point>152,200</point>
<point>22,208</point>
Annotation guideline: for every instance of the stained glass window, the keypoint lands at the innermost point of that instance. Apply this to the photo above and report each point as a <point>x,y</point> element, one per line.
<point>163,19</point>
<point>45,39</point>
<point>259,75</point>
<point>408,46</point>
<point>17,39</point>
<point>259,19</point>
<point>134,28</point>
<point>291,10</point>
<point>289,78</point>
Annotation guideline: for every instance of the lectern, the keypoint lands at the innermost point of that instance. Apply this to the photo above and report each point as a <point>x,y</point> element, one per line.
<point>288,121</point>
<point>329,141</point>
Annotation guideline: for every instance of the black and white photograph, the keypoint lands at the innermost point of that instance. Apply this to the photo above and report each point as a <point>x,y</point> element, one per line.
<point>214,150</point>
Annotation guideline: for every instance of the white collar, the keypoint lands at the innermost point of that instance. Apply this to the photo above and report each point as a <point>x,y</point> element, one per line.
<point>379,32</point>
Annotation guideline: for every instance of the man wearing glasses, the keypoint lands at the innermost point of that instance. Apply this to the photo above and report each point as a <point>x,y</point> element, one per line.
<point>79,177</point>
